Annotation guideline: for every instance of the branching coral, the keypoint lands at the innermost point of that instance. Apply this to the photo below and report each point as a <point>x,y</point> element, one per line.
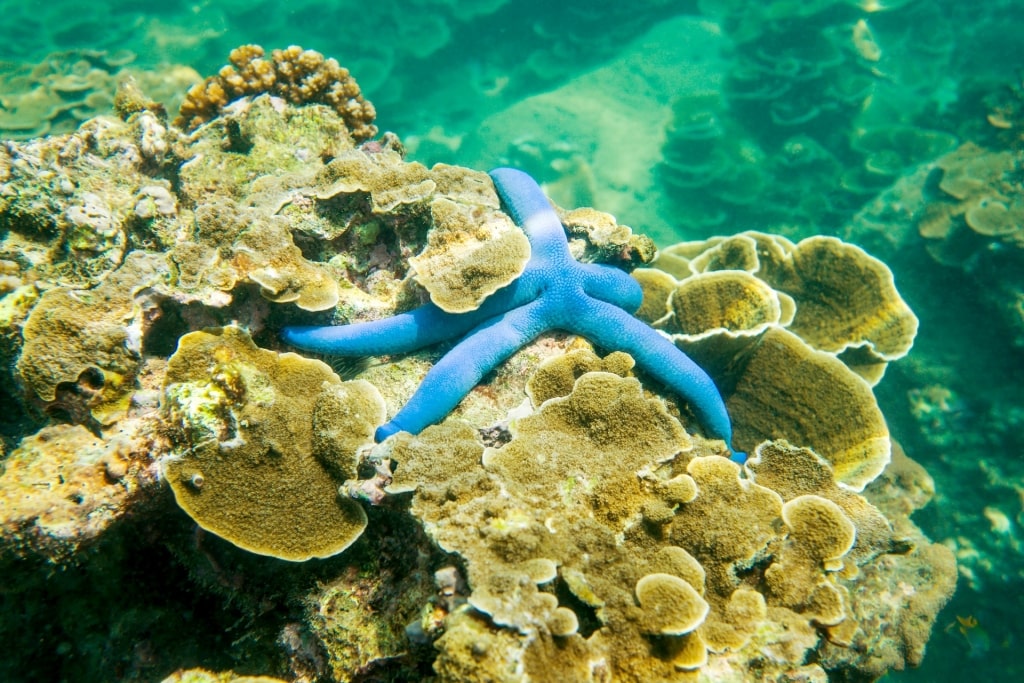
<point>299,76</point>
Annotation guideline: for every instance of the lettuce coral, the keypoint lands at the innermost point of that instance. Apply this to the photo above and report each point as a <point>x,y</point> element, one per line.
<point>757,305</point>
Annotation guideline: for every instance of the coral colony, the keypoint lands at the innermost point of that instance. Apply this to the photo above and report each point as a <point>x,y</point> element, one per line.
<point>598,531</point>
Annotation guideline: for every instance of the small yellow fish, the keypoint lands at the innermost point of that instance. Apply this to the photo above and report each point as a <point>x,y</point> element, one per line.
<point>967,623</point>
<point>964,625</point>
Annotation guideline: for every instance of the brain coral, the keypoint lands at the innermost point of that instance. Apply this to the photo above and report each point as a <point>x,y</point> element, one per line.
<point>299,76</point>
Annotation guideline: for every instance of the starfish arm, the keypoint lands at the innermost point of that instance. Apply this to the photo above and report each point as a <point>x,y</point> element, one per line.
<point>613,328</point>
<point>612,285</point>
<point>464,366</point>
<point>402,333</point>
<point>531,210</point>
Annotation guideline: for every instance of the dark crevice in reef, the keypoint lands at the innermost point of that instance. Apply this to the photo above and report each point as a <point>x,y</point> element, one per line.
<point>126,610</point>
<point>15,421</point>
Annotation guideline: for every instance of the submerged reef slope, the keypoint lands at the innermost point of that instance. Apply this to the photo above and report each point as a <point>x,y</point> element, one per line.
<point>568,521</point>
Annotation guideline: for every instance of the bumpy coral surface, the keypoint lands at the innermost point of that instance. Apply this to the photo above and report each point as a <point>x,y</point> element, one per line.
<point>669,561</point>
<point>299,76</point>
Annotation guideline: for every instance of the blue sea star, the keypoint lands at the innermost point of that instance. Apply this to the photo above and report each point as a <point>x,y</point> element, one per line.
<point>555,291</point>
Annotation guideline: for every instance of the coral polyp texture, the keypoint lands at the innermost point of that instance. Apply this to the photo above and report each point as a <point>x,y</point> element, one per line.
<point>296,75</point>
<point>245,451</point>
<point>573,517</point>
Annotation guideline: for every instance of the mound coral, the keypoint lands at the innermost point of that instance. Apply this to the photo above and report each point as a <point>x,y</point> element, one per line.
<point>299,76</point>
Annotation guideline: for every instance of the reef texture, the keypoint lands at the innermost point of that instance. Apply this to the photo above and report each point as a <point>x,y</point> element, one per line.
<point>567,522</point>
<point>806,126</point>
<point>754,306</point>
<point>602,529</point>
<point>248,463</point>
<point>68,88</point>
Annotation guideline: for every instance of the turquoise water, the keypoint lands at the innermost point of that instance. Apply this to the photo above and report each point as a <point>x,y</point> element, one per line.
<point>685,120</point>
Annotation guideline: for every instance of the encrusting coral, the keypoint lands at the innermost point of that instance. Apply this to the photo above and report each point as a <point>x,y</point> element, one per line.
<point>82,349</point>
<point>299,76</point>
<point>689,564</point>
<point>243,464</point>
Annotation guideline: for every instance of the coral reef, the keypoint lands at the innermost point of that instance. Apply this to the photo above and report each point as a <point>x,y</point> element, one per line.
<point>82,349</point>
<point>753,305</point>
<point>567,521</point>
<point>965,210</point>
<point>819,110</point>
<point>63,487</point>
<point>688,566</point>
<point>299,76</point>
<point>70,87</point>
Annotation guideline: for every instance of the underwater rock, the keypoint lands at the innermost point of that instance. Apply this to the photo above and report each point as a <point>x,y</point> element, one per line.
<point>62,488</point>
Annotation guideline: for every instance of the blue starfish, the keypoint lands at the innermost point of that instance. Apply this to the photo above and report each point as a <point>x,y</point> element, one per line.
<point>555,291</point>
